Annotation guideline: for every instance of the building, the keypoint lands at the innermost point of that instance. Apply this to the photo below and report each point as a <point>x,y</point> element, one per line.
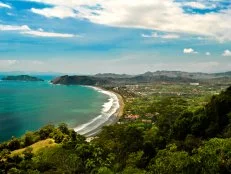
<point>194,84</point>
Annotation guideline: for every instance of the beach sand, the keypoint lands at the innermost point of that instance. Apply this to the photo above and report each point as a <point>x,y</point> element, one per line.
<point>120,111</point>
<point>112,119</point>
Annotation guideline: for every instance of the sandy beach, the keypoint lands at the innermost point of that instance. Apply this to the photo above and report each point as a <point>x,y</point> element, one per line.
<point>120,111</point>
<point>111,112</point>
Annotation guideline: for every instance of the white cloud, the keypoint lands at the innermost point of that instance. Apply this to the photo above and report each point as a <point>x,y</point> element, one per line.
<point>207,53</point>
<point>2,5</point>
<point>226,53</point>
<point>59,12</point>
<point>14,28</point>
<point>189,51</point>
<point>47,34</point>
<point>198,5</point>
<point>164,36</point>
<point>7,63</point>
<point>12,62</point>
<point>24,29</point>
<point>160,15</point>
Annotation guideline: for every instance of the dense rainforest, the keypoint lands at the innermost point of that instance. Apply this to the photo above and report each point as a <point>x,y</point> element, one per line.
<point>179,141</point>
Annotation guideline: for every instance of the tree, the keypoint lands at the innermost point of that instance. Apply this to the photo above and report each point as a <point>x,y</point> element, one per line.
<point>214,156</point>
<point>14,144</point>
<point>29,139</point>
<point>28,153</point>
<point>45,132</point>
<point>181,126</point>
<point>104,170</point>
<point>58,136</point>
<point>63,128</point>
<point>172,161</point>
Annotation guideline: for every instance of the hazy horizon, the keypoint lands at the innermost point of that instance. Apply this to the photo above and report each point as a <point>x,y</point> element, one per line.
<point>60,73</point>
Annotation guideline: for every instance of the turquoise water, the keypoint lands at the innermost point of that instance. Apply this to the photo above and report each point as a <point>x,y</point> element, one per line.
<point>26,106</point>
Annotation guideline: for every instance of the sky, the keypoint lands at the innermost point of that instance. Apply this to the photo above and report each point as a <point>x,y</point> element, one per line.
<point>116,36</point>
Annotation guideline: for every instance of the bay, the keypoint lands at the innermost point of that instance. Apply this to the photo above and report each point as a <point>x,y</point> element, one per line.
<point>27,106</point>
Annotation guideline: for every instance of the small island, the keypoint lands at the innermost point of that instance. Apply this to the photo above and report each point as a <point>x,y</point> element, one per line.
<point>22,78</point>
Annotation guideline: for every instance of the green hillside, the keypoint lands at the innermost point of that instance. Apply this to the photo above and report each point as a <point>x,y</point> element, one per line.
<point>181,140</point>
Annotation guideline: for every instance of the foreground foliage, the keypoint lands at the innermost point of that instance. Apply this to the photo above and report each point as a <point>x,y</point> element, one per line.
<point>181,140</point>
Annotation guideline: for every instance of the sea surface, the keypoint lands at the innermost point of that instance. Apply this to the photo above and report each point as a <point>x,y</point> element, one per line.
<point>27,106</point>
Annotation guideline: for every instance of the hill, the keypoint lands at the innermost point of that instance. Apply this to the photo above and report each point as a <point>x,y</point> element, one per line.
<point>180,141</point>
<point>170,74</point>
<point>110,79</point>
<point>80,80</point>
<point>21,78</point>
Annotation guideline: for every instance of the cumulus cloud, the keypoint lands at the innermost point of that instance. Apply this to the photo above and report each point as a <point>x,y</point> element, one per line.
<point>226,53</point>
<point>59,12</point>
<point>164,36</point>
<point>160,15</point>
<point>189,51</point>
<point>2,5</point>
<point>24,29</point>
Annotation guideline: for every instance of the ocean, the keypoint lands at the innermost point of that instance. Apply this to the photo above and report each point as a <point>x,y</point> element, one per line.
<point>27,106</point>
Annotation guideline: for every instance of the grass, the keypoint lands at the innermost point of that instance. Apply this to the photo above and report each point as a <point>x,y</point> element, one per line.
<point>48,143</point>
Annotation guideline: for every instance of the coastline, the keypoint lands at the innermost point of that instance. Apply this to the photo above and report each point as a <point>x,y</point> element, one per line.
<point>120,110</point>
<point>109,116</point>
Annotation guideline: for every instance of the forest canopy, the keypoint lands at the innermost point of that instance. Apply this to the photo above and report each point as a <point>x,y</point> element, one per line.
<point>181,140</point>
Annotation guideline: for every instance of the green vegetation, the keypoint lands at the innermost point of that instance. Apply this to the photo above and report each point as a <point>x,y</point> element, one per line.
<point>184,136</point>
<point>22,78</point>
<point>110,80</point>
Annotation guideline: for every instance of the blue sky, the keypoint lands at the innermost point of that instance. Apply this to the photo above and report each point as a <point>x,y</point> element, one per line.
<point>123,36</point>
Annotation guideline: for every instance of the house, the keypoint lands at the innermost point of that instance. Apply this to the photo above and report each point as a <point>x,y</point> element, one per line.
<point>194,84</point>
<point>132,117</point>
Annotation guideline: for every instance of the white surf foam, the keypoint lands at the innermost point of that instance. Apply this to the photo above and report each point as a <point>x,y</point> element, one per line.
<point>108,110</point>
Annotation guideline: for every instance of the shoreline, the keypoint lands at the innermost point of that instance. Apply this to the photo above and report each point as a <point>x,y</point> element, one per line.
<point>111,119</point>
<point>120,110</point>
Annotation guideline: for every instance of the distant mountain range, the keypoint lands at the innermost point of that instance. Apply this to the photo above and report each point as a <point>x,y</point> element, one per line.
<point>148,77</point>
<point>111,75</point>
<point>170,74</point>
<point>126,79</point>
